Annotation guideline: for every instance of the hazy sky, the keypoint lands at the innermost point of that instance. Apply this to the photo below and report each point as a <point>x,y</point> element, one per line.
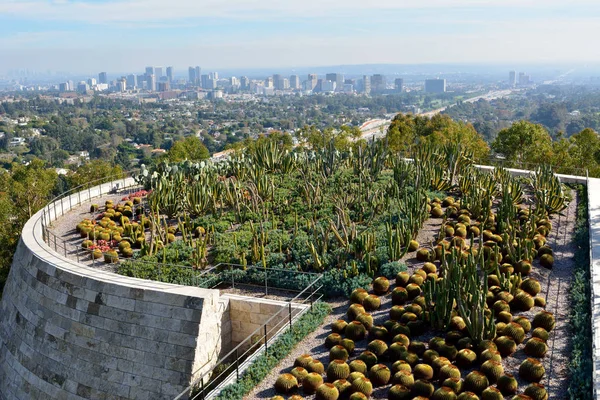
<point>126,35</point>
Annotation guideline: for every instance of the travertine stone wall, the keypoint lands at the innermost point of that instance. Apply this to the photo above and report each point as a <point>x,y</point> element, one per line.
<point>71,332</point>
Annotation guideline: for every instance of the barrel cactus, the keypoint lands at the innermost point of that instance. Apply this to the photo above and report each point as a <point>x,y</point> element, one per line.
<point>453,383</point>
<point>344,387</point>
<point>401,365</point>
<point>381,285</point>
<point>362,385</point>
<point>539,301</point>
<point>486,345</point>
<point>507,384</point>
<point>536,392</point>
<point>531,370</point>
<point>531,286</point>
<point>348,344</point>
<point>355,375</point>
<point>378,332</point>
<point>402,339</point>
<point>399,296</point>
<point>423,388</point>
<point>493,370</point>
<point>465,358</point>
<point>444,393</point>
<point>358,365</point>
<point>540,333</point>
<point>357,396</point>
<point>423,371</point>
<point>524,322</point>
<point>355,310</point>
<point>448,351</point>
<point>332,340</point>
<point>337,369</point>
<point>544,319</point>
<point>303,361</point>
<point>397,351</point>
<point>439,363</point>
<point>355,331</point>
<point>413,290</point>
<point>457,324</point>
<point>547,261</point>
<point>402,279</point>
<point>316,366</point>
<point>506,345</point>
<point>358,295</point>
<point>476,382</point>
<point>299,373</point>
<point>491,393</point>
<point>404,378</point>
<point>368,358</point>
<point>417,279</point>
<point>378,347</point>
<point>501,305</point>
<point>338,326</point>
<point>371,303</point>
<point>535,347</point>
<point>490,354</point>
<point>380,374</point>
<point>399,392</point>
<point>338,352</point>
<point>504,316</point>
<point>430,355</point>
<point>467,396</point>
<point>366,319</point>
<point>449,371</point>
<point>312,381</point>
<point>514,331</point>
<point>523,301</point>
<point>286,383</point>
<point>327,391</point>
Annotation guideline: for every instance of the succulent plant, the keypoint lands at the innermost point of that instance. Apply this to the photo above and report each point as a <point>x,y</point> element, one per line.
<point>531,286</point>
<point>506,345</point>
<point>504,316</point>
<point>111,257</point>
<point>371,303</point>
<point>380,374</point>
<point>423,388</point>
<point>358,365</point>
<point>315,366</point>
<point>531,370</point>
<point>417,279</point>
<point>507,384</point>
<point>286,383</point>
<point>355,310</point>
<point>277,398</point>
<point>491,393</point>
<point>344,387</point>
<point>515,331</point>
<point>358,295</point>
<point>501,305</point>
<point>536,392</point>
<point>490,355</point>
<point>333,339</point>
<point>417,347</point>
<point>413,290</point>
<point>535,347</point>
<point>404,378</point>
<point>355,330</point>
<point>401,365</point>
<point>539,301</point>
<point>492,369</point>
<point>303,361</point>
<point>417,327</point>
<point>299,373</point>
<point>378,332</point>
<point>402,279</point>
<point>457,324</point>
<point>337,352</point>
<point>544,319</point>
<point>312,381</point>
<point>476,382</point>
<point>327,391</point>
<point>453,383</point>
<point>448,351</point>
<point>540,333</point>
<point>439,363</point>
<point>467,396</point>
<point>402,339</point>
<point>407,317</point>
<point>348,344</point>
<point>377,347</point>
<point>381,285</point>
<point>354,375</point>
<point>429,355</point>
<point>362,385</point>
<point>523,267</point>
<point>399,296</point>
<point>503,295</point>
<point>337,369</point>
<point>524,322</point>
<point>464,343</point>
<point>423,371</point>
<point>449,371</point>
<point>399,392</point>
<point>547,261</point>
<point>523,301</point>
<point>368,358</point>
<point>357,396</point>
<point>465,358</point>
<point>366,319</point>
<point>486,345</point>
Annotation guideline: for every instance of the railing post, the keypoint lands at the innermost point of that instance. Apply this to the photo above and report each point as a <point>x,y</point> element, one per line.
<point>266,284</point>
<point>290,313</point>
<point>232,277</point>
<point>237,365</point>
<point>266,340</point>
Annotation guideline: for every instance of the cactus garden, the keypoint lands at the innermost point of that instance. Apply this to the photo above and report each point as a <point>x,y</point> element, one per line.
<point>456,278</point>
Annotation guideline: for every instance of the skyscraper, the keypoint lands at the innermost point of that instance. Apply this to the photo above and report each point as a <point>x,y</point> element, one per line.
<point>192,75</point>
<point>399,85</point>
<point>151,81</point>
<point>278,82</point>
<point>170,74</point>
<point>435,85</point>
<point>91,81</point>
<point>244,83</point>
<point>512,78</point>
<point>294,82</point>
<point>269,82</point>
<point>198,71</point>
<point>337,78</point>
<point>378,84</point>
<point>149,70</point>
<point>158,71</point>
<point>366,84</point>
<point>131,81</point>
<point>102,78</point>
<point>312,82</point>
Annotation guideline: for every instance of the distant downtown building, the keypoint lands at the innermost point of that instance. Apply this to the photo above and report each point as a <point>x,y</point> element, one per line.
<point>244,83</point>
<point>337,78</point>
<point>102,78</point>
<point>435,85</point>
<point>295,82</point>
<point>512,78</point>
<point>399,85</point>
<point>149,71</point>
<point>378,83</point>
<point>170,74</point>
<point>366,84</point>
<point>132,82</point>
<point>151,82</point>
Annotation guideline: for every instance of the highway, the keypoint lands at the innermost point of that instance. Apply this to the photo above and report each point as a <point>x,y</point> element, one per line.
<point>378,127</point>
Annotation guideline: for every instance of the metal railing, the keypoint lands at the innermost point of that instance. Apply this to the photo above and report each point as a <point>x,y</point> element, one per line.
<point>230,367</point>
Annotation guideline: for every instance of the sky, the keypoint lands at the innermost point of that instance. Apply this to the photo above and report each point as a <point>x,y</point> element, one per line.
<point>126,35</point>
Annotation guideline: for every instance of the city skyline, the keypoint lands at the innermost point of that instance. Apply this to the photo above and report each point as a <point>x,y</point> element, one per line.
<point>120,34</point>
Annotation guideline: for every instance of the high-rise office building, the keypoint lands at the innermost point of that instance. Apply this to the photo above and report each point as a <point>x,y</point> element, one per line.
<point>312,82</point>
<point>131,81</point>
<point>102,78</point>
<point>208,82</point>
<point>63,87</point>
<point>83,87</point>
<point>151,82</point>
<point>435,85</point>
<point>198,74</point>
<point>269,82</point>
<point>399,85</point>
<point>278,82</point>
<point>170,74</point>
<point>149,70</point>
<point>91,82</point>
<point>337,78</point>
<point>158,71</point>
<point>141,82</point>
<point>234,82</point>
<point>192,75</point>
<point>524,79</point>
<point>512,78</point>
<point>121,84</point>
<point>294,82</point>
<point>164,86</point>
<point>378,84</point>
<point>366,84</point>
<point>244,83</point>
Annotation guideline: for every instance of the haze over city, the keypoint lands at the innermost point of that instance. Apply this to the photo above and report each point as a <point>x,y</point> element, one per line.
<point>120,36</point>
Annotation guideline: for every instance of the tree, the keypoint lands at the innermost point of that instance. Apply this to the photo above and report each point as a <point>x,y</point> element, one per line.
<point>95,171</point>
<point>585,150</point>
<point>524,142</point>
<point>401,133</point>
<point>190,148</point>
<point>31,187</point>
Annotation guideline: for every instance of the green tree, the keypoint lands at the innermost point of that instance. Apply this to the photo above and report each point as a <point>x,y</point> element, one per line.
<point>523,143</point>
<point>95,171</point>
<point>190,148</point>
<point>31,187</point>
<point>401,134</point>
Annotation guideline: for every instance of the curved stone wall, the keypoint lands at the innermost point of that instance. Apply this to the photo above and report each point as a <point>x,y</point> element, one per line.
<point>71,332</point>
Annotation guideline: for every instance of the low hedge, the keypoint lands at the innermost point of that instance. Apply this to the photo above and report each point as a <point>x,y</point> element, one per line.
<point>580,382</point>
<point>263,364</point>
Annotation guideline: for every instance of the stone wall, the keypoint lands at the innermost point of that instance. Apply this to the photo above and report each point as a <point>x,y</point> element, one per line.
<point>71,332</point>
